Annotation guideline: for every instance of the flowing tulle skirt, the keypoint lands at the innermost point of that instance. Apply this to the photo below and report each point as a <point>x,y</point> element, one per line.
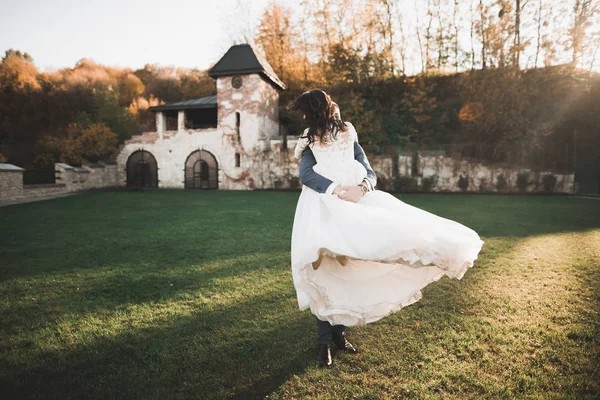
<point>394,251</point>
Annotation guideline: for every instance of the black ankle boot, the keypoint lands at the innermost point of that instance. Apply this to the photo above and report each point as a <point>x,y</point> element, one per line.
<point>343,344</point>
<point>324,356</point>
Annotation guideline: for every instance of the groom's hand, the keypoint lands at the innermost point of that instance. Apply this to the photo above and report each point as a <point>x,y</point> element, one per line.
<point>352,193</point>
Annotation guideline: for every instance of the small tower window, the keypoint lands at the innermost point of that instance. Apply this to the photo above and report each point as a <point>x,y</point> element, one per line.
<point>236,82</point>
<point>237,125</point>
<point>237,159</point>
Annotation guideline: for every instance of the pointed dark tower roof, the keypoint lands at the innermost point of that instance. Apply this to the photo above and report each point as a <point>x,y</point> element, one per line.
<point>243,59</point>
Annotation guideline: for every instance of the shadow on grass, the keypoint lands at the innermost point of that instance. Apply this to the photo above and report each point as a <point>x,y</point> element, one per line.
<point>84,291</point>
<point>245,350</point>
<point>109,288</point>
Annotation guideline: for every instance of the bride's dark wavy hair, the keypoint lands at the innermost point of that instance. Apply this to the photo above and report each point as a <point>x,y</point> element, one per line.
<point>319,110</point>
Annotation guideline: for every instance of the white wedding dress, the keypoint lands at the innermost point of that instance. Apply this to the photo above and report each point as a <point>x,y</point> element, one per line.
<point>394,249</point>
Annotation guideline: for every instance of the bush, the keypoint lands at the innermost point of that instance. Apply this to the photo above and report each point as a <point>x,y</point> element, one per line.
<point>90,143</point>
<point>522,181</point>
<point>405,184</point>
<point>463,182</point>
<point>429,183</point>
<point>549,182</point>
<point>501,183</point>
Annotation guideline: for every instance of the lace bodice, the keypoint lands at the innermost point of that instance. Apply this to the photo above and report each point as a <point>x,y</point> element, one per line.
<point>340,149</point>
<point>335,158</point>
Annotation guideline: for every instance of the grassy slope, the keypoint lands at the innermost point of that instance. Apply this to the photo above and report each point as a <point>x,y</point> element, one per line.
<point>188,294</point>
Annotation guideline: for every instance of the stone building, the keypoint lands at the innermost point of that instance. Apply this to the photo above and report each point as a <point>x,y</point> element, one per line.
<point>213,142</point>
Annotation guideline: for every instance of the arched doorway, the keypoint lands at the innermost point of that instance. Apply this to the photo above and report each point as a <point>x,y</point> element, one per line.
<point>201,171</point>
<point>142,170</point>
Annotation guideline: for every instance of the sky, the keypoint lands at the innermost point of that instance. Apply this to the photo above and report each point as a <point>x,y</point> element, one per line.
<point>123,33</point>
<point>132,33</point>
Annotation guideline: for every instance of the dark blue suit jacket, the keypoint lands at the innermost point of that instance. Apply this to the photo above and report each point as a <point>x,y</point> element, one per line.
<point>318,182</point>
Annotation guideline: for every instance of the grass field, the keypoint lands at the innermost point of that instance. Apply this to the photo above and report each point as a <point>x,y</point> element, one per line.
<point>174,294</point>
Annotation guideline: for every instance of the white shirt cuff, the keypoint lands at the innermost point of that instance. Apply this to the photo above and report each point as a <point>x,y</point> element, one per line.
<point>331,188</point>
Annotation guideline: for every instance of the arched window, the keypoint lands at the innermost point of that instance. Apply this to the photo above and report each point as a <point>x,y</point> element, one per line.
<point>237,125</point>
<point>142,170</point>
<point>201,171</point>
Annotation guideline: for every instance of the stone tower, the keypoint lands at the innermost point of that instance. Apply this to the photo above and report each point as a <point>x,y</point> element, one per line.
<point>248,99</point>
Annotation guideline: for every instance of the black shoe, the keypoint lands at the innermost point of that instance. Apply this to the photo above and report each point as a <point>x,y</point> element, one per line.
<point>343,344</point>
<point>324,356</point>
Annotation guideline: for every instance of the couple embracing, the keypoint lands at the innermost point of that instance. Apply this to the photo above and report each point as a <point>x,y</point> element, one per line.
<point>358,253</point>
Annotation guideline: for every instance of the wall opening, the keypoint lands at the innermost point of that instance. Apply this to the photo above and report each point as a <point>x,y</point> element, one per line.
<point>201,118</point>
<point>237,125</point>
<point>237,159</point>
<point>171,119</point>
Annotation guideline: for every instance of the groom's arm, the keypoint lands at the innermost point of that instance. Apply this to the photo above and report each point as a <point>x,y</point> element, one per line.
<point>319,183</point>
<point>361,157</point>
<point>310,178</point>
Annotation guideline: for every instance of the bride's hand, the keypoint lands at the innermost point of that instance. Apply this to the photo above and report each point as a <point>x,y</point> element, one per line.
<point>351,193</point>
<point>338,190</point>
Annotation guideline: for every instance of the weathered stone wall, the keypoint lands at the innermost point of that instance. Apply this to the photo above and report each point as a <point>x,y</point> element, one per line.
<point>173,149</point>
<point>33,191</point>
<point>68,179</point>
<point>276,168</point>
<point>447,174</point>
<point>383,167</point>
<point>11,182</point>
<point>262,169</point>
<point>86,177</point>
<point>257,103</point>
<point>444,174</point>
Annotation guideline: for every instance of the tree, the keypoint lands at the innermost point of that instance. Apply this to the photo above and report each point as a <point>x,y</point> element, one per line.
<point>17,71</point>
<point>277,38</point>
<point>130,88</point>
<point>90,144</point>
<point>583,12</point>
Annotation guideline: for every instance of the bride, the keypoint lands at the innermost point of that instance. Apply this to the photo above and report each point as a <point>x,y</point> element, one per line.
<point>359,254</point>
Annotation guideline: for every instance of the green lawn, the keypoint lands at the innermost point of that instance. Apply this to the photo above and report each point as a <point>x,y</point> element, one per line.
<point>174,294</point>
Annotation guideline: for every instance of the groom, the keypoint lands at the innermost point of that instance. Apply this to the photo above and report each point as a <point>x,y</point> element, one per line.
<point>319,183</point>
